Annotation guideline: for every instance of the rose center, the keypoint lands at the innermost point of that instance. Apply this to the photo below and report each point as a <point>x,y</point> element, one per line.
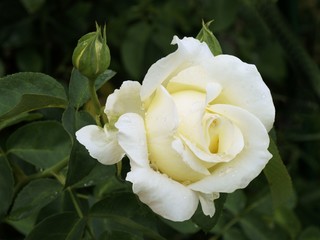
<point>214,137</point>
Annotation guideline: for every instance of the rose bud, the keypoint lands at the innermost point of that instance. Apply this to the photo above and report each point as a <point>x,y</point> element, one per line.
<point>92,56</point>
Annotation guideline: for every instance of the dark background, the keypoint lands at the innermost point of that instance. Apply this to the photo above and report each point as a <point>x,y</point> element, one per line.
<point>281,39</point>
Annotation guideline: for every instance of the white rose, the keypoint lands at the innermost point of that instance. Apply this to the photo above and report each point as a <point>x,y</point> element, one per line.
<point>196,127</point>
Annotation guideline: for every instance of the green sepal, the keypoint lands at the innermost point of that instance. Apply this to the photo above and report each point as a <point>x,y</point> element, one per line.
<point>205,35</point>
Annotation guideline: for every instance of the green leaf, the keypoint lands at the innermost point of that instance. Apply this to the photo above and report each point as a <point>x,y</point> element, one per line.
<point>32,5</point>
<point>234,233</point>
<point>122,204</point>
<point>100,173</point>
<point>252,231</point>
<point>126,214</point>
<point>80,164</point>
<point>73,120</point>
<point>62,226</point>
<point>310,233</point>
<point>255,226</point>
<point>185,227</point>
<point>79,86</point>
<point>279,180</point>
<point>133,226</point>
<point>112,184</point>
<point>42,144</point>
<point>37,194</point>
<point>24,92</point>
<point>24,225</point>
<point>236,202</point>
<point>205,35</point>
<point>6,185</point>
<point>25,116</point>
<point>119,236</point>
<point>288,220</point>
<point>205,222</point>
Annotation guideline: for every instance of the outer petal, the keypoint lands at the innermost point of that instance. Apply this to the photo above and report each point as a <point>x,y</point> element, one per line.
<point>190,52</point>
<point>101,143</point>
<point>132,138</point>
<point>207,204</point>
<point>195,78</point>
<point>126,99</point>
<point>163,195</point>
<point>227,177</point>
<point>243,86</point>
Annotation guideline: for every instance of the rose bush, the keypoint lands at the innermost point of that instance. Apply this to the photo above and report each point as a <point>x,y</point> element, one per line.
<point>196,127</point>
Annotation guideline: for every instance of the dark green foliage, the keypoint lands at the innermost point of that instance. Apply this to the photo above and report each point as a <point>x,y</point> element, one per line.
<point>50,188</point>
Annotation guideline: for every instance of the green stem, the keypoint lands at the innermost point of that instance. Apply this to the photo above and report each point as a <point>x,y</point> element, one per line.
<point>90,233</point>
<point>49,171</point>
<point>75,203</point>
<point>95,102</point>
<point>119,169</point>
<point>52,171</point>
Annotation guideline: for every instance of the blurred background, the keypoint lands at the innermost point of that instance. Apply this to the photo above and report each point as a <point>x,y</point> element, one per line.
<point>282,38</point>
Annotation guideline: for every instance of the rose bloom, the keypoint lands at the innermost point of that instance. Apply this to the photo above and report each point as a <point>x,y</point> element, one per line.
<point>196,127</point>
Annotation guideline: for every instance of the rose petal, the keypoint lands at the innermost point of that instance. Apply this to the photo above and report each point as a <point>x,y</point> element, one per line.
<point>239,172</point>
<point>243,86</point>
<point>227,137</point>
<point>188,157</point>
<point>101,143</point>
<point>162,118</point>
<point>163,195</point>
<point>193,78</point>
<point>207,204</point>
<point>201,154</point>
<point>191,107</point>
<point>166,159</point>
<point>213,90</point>
<point>126,99</point>
<point>190,52</point>
<point>132,138</point>
<point>230,138</point>
<point>161,126</point>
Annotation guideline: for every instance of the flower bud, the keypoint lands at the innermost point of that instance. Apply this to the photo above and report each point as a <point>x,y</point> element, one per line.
<point>92,56</point>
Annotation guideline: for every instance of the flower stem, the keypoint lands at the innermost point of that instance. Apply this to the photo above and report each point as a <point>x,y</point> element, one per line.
<point>119,169</point>
<point>75,203</point>
<point>95,102</point>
